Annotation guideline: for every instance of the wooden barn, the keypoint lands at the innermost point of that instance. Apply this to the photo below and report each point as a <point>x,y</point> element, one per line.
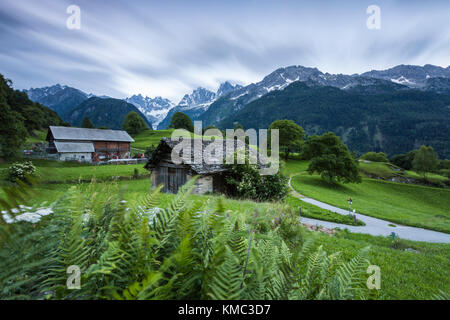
<point>211,170</point>
<point>89,145</point>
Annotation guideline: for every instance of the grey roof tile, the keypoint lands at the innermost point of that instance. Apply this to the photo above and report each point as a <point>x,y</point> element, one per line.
<point>210,165</point>
<point>70,133</point>
<point>74,147</point>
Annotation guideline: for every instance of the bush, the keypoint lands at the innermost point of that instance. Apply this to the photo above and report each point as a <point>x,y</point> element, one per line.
<point>20,171</point>
<point>404,161</point>
<point>244,181</point>
<point>374,156</point>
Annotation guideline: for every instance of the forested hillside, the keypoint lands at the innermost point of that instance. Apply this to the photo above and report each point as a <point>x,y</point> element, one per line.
<point>19,116</point>
<point>367,118</point>
<point>103,112</point>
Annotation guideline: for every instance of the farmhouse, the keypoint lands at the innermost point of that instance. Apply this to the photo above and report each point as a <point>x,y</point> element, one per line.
<point>90,145</point>
<point>211,169</point>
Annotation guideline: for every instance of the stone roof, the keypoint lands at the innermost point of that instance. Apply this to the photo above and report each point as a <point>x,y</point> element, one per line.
<point>211,163</point>
<point>70,133</point>
<point>74,147</point>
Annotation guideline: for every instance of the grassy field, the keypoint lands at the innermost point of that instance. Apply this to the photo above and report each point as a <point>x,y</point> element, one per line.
<point>148,138</point>
<point>61,172</point>
<point>293,166</point>
<point>402,203</point>
<point>40,136</point>
<point>388,171</point>
<point>416,273</point>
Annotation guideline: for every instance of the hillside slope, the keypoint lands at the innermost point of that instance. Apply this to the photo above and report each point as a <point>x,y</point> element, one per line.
<point>393,121</point>
<point>106,112</point>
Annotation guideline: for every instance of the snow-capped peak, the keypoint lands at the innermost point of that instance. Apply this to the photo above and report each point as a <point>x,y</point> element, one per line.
<point>155,109</point>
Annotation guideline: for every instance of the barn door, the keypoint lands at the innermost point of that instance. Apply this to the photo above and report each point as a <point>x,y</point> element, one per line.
<point>180,177</point>
<point>163,178</point>
<point>172,181</point>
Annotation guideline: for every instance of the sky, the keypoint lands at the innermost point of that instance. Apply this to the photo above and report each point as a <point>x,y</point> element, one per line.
<point>168,48</point>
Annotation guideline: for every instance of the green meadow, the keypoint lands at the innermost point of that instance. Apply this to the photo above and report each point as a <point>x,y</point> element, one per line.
<point>413,205</point>
<point>409,270</point>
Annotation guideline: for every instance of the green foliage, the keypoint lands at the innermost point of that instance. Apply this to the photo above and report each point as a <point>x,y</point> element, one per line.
<point>245,181</point>
<point>444,164</point>
<point>290,135</point>
<point>183,250</point>
<point>20,171</point>
<point>181,121</point>
<point>425,160</point>
<point>331,159</point>
<point>18,117</point>
<point>209,127</point>
<point>87,123</point>
<point>404,160</point>
<point>103,112</point>
<point>134,123</point>
<point>12,130</point>
<point>149,151</point>
<point>375,156</point>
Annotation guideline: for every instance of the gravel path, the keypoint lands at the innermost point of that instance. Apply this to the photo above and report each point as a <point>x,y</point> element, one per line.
<point>374,226</point>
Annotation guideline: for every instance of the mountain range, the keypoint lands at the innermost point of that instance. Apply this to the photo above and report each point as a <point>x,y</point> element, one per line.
<point>246,104</point>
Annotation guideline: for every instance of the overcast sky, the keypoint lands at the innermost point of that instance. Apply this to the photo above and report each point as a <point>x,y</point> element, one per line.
<point>168,48</point>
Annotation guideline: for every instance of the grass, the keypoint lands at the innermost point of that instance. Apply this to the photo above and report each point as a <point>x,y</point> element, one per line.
<point>63,171</point>
<point>404,274</point>
<point>149,138</point>
<point>40,136</point>
<point>388,171</point>
<point>310,211</point>
<point>407,204</point>
<point>293,166</point>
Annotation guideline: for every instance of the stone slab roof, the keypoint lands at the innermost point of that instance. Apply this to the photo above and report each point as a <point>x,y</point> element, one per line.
<point>212,163</point>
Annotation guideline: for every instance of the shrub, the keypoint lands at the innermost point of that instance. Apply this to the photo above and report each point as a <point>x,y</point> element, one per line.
<point>20,171</point>
<point>375,156</point>
<point>245,181</point>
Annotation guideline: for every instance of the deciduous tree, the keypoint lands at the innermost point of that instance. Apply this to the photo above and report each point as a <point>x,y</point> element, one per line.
<point>331,159</point>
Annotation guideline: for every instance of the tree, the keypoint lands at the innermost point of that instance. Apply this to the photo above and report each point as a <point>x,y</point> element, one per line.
<point>134,123</point>
<point>209,127</point>
<point>181,121</point>
<point>374,156</point>
<point>291,135</point>
<point>237,125</point>
<point>331,159</point>
<point>12,129</point>
<point>404,161</point>
<point>87,123</point>
<point>425,160</point>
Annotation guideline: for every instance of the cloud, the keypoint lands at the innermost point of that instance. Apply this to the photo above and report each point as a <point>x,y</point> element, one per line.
<point>167,49</point>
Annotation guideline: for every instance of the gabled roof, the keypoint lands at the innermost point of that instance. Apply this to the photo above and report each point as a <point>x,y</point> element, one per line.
<point>74,147</point>
<point>70,133</point>
<point>210,165</point>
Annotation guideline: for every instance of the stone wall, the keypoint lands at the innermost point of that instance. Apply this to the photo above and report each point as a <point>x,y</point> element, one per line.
<point>203,184</point>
